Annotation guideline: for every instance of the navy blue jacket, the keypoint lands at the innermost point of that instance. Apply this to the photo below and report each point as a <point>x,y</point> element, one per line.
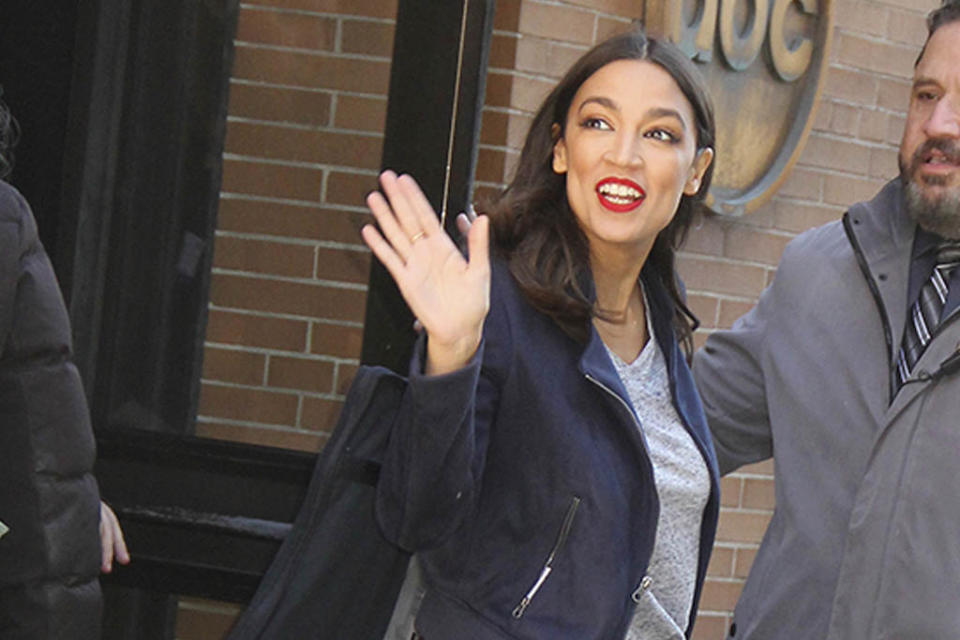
<point>523,481</point>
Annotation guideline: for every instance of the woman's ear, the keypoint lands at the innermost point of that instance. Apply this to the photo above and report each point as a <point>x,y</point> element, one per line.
<point>700,165</point>
<point>559,150</point>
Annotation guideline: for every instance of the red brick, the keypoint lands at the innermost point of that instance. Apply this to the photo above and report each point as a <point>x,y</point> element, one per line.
<point>804,184</point>
<point>908,27</point>
<point>300,373</point>
<point>749,244</point>
<point>232,365</point>
<point>865,17</point>
<point>490,164</point>
<point>720,595</point>
<point>722,277</point>
<point>847,190</point>
<point>343,265</point>
<point>704,307</point>
<point>730,489</point>
<point>256,331</point>
<point>710,626</point>
<point>735,526</point>
<point>506,15</point>
<point>499,88</point>
<point>536,55</point>
<point>249,405</point>
<point>283,438</point>
<point>336,340</point>
<point>295,144</point>
<point>349,188</point>
<point>345,375</point>
<point>493,128</point>
<point>528,93</point>
<point>894,94</point>
<point>556,22</point>
<point>292,298</point>
<point>367,38</point>
<point>609,27</point>
<point>842,154</point>
<point>875,56</point>
<point>312,70</point>
<point>883,164</point>
<point>707,237</point>
<point>320,414</point>
<point>294,221</point>
<point>851,85</point>
<point>297,106</point>
<point>743,561</point>
<point>298,30</point>
<point>798,217</point>
<point>361,114</point>
<point>721,562</point>
<point>758,493</point>
<point>503,51</point>
<point>731,311</point>
<point>262,256</point>
<point>275,181</point>
<point>873,125</point>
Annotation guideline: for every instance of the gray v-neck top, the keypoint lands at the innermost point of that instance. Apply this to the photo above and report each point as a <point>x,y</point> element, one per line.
<point>683,486</point>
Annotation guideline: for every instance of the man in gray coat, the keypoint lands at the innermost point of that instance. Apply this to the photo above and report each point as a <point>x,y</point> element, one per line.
<point>848,373</point>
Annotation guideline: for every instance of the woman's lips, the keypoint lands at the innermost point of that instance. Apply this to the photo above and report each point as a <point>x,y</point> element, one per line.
<point>619,194</point>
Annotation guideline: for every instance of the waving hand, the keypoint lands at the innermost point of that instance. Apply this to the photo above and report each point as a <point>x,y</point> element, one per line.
<point>449,295</point>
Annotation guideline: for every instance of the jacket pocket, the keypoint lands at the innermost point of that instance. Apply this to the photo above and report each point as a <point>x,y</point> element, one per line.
<point>519,610</point>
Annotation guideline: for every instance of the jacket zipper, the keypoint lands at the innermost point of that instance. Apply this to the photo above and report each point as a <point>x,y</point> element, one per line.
<point>548,565</point>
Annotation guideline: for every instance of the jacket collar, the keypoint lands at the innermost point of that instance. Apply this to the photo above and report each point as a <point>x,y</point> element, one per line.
<point>595,361</point>
<point>882,235</point>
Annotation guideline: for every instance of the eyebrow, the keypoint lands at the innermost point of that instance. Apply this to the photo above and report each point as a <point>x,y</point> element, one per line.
<point>655,112</point>
<point>924,81</point>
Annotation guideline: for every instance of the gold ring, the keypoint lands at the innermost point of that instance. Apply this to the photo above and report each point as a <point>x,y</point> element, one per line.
<point>417,237</point>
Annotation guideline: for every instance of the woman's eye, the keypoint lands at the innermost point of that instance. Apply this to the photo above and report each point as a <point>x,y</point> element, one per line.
<point>596,123</point>
<point>662,135</point>
<point>925,96</point>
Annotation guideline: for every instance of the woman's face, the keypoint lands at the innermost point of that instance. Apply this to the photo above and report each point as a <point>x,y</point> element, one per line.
<point>629,151</point>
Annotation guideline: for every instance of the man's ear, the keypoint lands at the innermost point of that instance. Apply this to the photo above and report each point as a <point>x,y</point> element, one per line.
<point>700,165</point>
<point>559,150</point>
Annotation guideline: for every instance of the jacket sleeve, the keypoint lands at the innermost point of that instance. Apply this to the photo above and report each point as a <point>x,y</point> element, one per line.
<point>434,460</point>
<point>728,371</point>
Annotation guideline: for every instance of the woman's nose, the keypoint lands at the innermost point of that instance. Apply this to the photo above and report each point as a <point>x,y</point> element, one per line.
<point>626,151</point>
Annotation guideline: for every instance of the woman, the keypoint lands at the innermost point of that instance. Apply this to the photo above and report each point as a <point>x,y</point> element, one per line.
<point>551,432</point>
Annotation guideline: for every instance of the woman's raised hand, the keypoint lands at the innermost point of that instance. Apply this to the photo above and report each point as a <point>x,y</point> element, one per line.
<point>449,295</point>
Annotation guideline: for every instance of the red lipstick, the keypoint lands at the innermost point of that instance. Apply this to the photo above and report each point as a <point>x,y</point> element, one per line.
<point>619,194</point>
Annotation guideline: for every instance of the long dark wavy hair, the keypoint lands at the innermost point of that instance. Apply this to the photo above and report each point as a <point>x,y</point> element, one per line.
<point>9,134</point>
<point>534,228</point>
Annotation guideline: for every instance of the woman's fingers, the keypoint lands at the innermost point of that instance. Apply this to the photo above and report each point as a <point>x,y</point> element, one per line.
<point>406,201</point>
<point>399,238</point>
<point>384,251</point>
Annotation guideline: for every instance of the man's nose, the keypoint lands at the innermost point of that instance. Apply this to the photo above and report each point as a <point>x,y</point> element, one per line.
<point>944,120</point>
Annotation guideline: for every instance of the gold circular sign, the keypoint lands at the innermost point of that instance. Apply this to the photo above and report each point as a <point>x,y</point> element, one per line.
<point>764,62</point>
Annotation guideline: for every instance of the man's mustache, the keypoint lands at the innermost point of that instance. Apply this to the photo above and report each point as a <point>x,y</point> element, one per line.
<point>948,148</point>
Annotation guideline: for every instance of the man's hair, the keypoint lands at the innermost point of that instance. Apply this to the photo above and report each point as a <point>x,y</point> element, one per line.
<point>9,133</point>
<point>946,13</point>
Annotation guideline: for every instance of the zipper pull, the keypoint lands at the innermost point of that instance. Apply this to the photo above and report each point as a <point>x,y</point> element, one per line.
<point>644,585</point>
<point>520,608</point>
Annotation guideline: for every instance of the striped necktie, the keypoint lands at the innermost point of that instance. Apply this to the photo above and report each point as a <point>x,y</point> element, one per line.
<point>925,312</point>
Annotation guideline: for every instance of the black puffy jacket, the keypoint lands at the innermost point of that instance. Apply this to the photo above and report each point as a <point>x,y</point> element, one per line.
<point>49,559</point>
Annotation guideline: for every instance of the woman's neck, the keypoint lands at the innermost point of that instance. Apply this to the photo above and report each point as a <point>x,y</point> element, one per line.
<point>621,321</point>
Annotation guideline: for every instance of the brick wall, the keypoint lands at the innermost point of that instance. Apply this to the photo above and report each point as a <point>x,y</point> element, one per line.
<point>304,136</point>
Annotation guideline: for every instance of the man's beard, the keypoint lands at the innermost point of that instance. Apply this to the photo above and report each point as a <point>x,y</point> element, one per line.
<point>938,214</point>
